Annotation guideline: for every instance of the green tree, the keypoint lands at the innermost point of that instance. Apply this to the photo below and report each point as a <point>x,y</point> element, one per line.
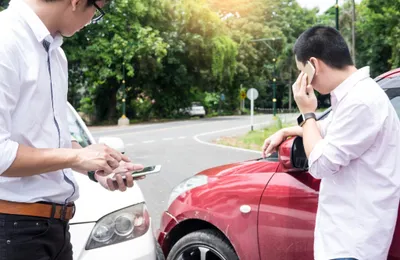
<point>378,32</point>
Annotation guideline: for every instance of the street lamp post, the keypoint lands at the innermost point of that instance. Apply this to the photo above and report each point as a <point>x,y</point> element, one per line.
<point>274,88</point>
<point>123,120</point>
<point>123,92</point>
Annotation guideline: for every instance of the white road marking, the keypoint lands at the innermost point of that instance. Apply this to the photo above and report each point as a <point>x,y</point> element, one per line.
<point>116,131</point>
<point>182,137</point>
<point>196,137</point>
<point>148,142</point>
<point>130,144</point>
<point>168,139</point>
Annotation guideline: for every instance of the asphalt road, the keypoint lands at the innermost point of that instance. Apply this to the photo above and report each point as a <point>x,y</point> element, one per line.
<point>183,148</point>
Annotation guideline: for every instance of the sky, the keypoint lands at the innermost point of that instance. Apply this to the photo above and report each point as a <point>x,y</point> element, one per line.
<point>323,5</point>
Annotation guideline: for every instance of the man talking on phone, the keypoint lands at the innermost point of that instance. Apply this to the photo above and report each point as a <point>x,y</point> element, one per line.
<point>355,151</point>
<point>37,187</point>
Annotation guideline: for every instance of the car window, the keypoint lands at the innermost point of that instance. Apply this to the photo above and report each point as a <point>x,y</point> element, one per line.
<point>396,103</point>
<point>77,130</point>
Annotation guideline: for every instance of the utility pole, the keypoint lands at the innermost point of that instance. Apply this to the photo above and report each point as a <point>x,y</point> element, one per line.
<point>353,32</point>
<point>264,40</point>
<point>337,14</point>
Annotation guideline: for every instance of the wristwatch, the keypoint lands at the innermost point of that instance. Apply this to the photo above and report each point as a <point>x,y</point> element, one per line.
<point>91,176</point>
<point>304,117</point>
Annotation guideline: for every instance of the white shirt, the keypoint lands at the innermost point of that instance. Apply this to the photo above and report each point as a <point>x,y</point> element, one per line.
<point>358,160</point>
<point>26,111</point>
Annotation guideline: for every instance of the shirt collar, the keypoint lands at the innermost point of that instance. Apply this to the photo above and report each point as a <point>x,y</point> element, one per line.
<point>38,28</point>
<point>341,91</point>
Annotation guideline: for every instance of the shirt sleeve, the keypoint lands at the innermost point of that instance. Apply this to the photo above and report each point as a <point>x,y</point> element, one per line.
<point>322,124</point>
<point>9,95</point>
<point>351,134</point>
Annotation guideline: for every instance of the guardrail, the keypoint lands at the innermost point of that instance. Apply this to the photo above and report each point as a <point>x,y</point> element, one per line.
<point>278,110</point>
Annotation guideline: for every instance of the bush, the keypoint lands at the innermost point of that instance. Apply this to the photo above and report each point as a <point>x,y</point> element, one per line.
<point>143,107</point>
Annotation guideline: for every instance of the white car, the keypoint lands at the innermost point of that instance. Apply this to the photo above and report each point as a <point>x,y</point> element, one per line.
<point>108,225</point>
<point>196,109</point>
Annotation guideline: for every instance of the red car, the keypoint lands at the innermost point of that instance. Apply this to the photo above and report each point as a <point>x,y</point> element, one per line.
<point>263,209</point>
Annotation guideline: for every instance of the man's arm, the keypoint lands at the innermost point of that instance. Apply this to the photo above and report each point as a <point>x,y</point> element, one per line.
<point>76,145</point>
<point>292,131</point>
<point>31,161</point>
<point>311,135</point>
<point>353,132</point>
<point>272,142</point>
<point>298,130</point>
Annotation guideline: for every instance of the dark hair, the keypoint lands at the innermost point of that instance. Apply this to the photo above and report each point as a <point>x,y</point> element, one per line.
<point>324,43</point>
<point>89,2</point>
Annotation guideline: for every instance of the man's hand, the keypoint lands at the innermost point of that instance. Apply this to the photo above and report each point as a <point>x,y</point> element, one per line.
<point>98,157</point>
<point>124,169</point>
<point>304,95</point>
<point>272,142</point>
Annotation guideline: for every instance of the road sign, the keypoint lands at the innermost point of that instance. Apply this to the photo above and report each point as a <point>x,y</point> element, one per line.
<point>252,94</point>
<point>222,97</point>
<point>242,94</point>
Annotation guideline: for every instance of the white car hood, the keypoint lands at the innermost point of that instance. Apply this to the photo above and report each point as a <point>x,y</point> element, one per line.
<point>95,202</point>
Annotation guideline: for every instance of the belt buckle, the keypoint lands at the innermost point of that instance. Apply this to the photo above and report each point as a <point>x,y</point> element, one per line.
<point>64,208</point>
<point>63,212</point>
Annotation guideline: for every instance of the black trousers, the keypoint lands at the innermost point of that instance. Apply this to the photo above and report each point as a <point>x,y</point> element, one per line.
<point>33,238</point>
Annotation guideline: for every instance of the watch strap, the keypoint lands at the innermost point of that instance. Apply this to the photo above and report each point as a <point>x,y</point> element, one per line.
<point>305,117</point>
<point>91,176</point>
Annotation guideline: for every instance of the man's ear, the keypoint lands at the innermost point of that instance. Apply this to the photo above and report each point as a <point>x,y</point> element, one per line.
<point>75,4</point>
<point>316,63</point>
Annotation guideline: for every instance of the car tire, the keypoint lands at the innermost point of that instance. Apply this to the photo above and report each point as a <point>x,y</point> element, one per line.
<point>191,244</point>
<point>159,252</point>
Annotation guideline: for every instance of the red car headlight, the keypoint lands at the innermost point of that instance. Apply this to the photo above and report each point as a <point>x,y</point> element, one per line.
<point>186,185</point>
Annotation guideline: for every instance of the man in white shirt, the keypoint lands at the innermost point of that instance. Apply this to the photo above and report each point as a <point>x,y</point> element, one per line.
<point>37,187</point>
<point>355,151</point>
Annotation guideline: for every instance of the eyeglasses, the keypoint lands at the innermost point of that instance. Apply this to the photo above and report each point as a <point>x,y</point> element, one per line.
<point>98,14</point>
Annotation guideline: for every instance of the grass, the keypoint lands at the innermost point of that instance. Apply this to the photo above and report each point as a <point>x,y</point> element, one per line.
<point>253,140</point>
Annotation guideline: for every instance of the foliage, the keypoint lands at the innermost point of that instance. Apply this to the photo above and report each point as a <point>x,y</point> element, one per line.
<point>142,105</point>
<point>378,32</point>
<point>179,51</point>
<point>253,140</point>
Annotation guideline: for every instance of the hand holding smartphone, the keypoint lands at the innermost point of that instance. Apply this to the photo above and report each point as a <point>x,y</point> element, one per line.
<point>310,71</point>
<point>145,171</point>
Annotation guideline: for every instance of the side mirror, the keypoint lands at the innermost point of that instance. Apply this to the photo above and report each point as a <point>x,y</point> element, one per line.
<point>292,155</point>
<point>114,142</point>
<point>298,155</point>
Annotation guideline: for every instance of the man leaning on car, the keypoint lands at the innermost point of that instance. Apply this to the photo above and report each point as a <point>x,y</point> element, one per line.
<point>355,151</point>
<point>37,188</point>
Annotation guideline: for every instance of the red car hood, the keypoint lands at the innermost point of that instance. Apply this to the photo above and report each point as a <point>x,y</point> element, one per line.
<point>247,167</point>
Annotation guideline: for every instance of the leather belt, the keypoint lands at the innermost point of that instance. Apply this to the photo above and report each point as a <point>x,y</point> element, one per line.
<point>43,210</point>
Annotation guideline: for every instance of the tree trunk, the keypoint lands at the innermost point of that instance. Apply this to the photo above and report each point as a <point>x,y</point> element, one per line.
<point>112,109</point>
<point>353,33</point>
<point>290,88</point>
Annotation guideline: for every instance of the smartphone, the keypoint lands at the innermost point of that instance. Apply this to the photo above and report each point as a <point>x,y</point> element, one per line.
<point>145,171</point>
<point>310,71</point>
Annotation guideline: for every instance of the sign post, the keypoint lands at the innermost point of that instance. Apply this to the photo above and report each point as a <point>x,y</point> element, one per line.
<point>252,94</point>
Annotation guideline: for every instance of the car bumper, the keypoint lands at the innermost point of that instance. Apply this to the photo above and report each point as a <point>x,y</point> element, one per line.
<point>168,222</point>
<point>141,248</point>
<point>197,113</point>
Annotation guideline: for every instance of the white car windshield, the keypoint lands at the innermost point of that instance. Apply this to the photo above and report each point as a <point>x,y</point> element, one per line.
<point>77,130</point>
<point>396,103</point>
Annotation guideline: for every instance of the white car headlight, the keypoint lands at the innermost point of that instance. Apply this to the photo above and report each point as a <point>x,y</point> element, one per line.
<point>186,185</point>
<point>120,226</point>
